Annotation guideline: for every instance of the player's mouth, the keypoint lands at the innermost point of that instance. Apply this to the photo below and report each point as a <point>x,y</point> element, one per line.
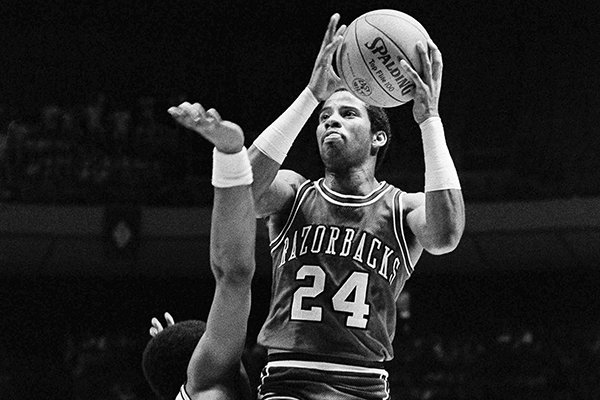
<point>332,136</point>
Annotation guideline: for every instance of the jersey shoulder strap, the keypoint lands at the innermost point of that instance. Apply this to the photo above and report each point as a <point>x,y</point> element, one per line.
<point>301,194</point>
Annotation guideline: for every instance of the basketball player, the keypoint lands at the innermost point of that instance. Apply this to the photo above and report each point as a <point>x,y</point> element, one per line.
<point>344,246</point>
<point>211,351</point>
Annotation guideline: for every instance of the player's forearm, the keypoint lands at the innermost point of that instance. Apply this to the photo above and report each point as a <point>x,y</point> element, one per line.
<point>233,227</point>
<point>270,148</point>
<point>444,205</point>
<point>233,232</point>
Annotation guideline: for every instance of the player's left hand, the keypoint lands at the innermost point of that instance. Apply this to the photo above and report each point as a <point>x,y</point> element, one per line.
<point>157,327</point>
<point>429,85</point>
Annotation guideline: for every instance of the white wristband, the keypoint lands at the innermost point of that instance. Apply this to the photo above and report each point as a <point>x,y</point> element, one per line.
<point>277,139</point>
<point>231,169</point>
<point>440,173</point>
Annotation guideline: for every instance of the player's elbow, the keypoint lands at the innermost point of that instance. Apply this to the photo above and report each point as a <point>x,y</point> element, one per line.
<point>234,270</point>
<point>445,240</point>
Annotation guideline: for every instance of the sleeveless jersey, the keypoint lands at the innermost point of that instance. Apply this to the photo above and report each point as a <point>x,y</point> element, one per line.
<point>339,265</point>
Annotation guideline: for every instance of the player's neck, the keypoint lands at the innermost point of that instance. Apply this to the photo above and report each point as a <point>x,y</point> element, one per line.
<point>358,182</point>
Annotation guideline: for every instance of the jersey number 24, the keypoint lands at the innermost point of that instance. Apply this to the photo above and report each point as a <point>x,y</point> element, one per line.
<point>342,301</point>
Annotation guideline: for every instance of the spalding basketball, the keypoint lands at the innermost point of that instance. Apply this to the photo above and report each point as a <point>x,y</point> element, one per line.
<point>368,60</point>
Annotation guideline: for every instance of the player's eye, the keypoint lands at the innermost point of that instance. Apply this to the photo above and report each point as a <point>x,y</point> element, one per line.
<point>323,117</point>
<point>350,113</point>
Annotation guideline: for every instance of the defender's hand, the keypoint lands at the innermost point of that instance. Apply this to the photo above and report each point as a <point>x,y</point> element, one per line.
<point>324,81</point>
<point>225,135</point>
<point>157,327</point>
<point>427,87</point>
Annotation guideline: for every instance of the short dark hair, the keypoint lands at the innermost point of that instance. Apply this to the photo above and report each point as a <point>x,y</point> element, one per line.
<point>379,122</point>
<point>167,355</point>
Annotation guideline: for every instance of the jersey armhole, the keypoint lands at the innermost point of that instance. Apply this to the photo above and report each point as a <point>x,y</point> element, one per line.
<point>298,199</point>
<point>398,217</point>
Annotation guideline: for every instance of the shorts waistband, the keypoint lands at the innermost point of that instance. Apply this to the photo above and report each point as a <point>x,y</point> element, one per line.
<point>299,360</point>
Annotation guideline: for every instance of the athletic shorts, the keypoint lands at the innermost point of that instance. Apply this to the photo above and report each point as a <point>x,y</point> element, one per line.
<point>312,380</point>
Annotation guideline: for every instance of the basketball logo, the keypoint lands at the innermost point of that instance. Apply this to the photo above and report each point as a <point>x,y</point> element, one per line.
<point>361,86</point>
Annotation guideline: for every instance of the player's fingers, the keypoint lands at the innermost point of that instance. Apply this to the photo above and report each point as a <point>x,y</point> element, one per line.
<point>337,80</point>
<point>213,113</point>
<point>330,49</point>
<point>153,331</point>
<point>425,62</point>
<point>411,74</point>
<point>169,319</point>
<point>333,20</point>
<point>436,60</point>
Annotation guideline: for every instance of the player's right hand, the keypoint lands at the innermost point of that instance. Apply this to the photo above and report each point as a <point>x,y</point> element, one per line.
<point>324,81</point>
<point>225,135</point>
<point>157,327</point>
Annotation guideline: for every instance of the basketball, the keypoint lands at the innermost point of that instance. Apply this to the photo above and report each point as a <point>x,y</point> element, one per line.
<point>368,60</point>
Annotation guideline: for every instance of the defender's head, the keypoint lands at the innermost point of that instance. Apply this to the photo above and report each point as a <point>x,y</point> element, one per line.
<point>167,355</point>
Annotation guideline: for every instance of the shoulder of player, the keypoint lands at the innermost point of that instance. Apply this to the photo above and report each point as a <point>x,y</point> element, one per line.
<point>281,194</point>
<point>294,179</point>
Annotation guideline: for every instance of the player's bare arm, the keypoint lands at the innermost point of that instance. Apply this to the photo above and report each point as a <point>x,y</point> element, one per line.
<point>217,356</point>
<point>437,218</point>
<point>272,190</point>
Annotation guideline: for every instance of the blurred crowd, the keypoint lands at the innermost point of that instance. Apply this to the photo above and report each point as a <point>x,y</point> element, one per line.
<point>110,150</point>
<point>101,152</point>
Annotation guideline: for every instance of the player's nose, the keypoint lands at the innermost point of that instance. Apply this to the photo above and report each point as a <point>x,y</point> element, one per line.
<point>333,122</point>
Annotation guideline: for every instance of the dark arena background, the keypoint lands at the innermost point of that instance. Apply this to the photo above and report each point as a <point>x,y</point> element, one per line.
<point>105,202</point>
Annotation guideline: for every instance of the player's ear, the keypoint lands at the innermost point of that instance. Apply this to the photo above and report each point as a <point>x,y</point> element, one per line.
<point>379,140</point>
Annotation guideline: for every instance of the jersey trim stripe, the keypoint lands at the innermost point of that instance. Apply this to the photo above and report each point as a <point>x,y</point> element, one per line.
<point>273,396</point>
<point>182,395</point>
<point>300,195</point>
<point>326,366</point>
<point>348,200</point>
<point>399,231</point>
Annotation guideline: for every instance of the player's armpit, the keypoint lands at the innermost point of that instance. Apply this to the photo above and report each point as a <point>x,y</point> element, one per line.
<point>280,194</point>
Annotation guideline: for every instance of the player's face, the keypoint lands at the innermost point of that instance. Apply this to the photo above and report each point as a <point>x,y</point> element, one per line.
<point>344,131</point>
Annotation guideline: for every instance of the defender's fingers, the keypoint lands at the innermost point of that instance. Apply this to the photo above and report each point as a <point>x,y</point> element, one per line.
<point>156,324</point>
<point>175,111</point>
<point>188,110</point>
<point>169,319</point>
<point>200,113</point>
<point>213,113</point>
<point>153,331</point>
